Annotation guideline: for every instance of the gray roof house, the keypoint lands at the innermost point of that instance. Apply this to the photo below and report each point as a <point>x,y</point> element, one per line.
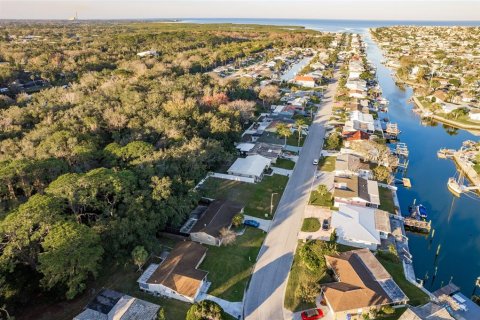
<point>218,215</point>
<point>109,304</point>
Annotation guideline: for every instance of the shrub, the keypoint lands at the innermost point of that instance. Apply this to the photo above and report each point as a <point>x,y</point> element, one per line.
<point>237,220</point>
<point>205,310</point>
<point>308,291</point>
<point>388,310</point>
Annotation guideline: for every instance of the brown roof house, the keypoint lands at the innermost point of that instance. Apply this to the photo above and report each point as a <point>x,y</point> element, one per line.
<point>177,276</point>
<point>362,284</point>
<point>356,191</point>
<point>429,311</point>
<point>218,215</point>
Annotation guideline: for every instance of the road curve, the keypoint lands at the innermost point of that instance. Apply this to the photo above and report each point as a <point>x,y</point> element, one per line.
<point>266,291</point>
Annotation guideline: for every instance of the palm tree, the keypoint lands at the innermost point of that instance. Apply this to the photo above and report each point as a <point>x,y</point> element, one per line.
<point>299,123</point>
<point>284,130</point>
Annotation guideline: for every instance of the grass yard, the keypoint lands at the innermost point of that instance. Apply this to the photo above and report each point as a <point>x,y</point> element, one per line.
<point>414,294</point>
<point>311,225</point>
<point>386,200</point>
<point>327,164</point>
<point>284,164</point>
<point>229,267</point>
<point>395,316</point>
<point>255,196</point>
<point>299,274</point>
<point>293,140</point>
<point>321,200</point>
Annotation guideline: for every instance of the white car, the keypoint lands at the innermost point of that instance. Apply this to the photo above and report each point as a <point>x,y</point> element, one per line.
<point>315,162</point>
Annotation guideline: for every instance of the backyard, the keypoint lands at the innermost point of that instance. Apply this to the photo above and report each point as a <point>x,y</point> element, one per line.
<point>120,275</point>
<point>255,196</point>
<point>229,267</point>
<point>386,200</point>
<point>414,294</point>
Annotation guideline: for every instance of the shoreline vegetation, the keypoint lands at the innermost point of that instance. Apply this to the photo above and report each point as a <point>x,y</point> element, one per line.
<point>453,123</point>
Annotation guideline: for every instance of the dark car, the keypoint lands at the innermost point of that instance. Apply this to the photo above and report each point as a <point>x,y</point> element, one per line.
<point>312,314</point>
<point>325,224</point>
<point>251,223</point>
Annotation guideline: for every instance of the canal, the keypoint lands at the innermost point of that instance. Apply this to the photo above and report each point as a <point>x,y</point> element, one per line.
<point>456,220</point>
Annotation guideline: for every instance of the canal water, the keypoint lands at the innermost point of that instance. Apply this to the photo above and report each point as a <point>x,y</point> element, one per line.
<point>456,220</point>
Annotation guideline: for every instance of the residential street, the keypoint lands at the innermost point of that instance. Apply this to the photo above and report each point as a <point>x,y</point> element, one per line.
<point>266,291</point>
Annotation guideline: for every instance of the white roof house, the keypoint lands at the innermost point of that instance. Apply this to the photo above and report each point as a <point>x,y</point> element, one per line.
<point>355,226</point>
<point>251,167</point>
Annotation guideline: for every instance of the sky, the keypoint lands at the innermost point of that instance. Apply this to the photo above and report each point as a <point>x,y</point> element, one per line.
<point>293,9</point>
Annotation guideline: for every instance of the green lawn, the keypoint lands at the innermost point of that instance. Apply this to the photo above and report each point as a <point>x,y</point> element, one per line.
<point>311,225</point>
<point>299,274</point>
<point>229,267</point>
<point>395,316</point>
<point>284,163</point>
<point>318,200</point>
<point>327,164</point>
<point>293,140</point>
<point>255,196</point>
<point>414,294</point>
<point>386,200</point>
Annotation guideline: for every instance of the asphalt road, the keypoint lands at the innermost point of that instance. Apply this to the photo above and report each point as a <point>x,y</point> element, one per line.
<point>266,291</point>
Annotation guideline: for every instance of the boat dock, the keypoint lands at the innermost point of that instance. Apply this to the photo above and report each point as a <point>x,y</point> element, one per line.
<point>417,225</point>
<point>467,169</point>
<point>445,153</point>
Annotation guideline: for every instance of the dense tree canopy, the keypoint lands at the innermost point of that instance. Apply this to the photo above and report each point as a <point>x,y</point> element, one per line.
<point>108,154</point>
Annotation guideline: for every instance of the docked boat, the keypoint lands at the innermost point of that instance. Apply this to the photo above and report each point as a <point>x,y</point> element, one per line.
<point>418,212</point>
<point>454,187</point>
<point>445,153</point>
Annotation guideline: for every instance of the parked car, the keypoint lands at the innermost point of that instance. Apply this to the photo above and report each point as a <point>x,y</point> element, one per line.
<point>315,162</point>
<point>312,314</point>
<point>251,223</point>
<point>325,224</point>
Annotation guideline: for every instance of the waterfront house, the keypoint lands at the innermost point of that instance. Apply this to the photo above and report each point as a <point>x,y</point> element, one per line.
<point>362,284</point>
<point>250,167</point>
<point>357,135</point>
<point>347,165</point>
<point>177,276</point>
<point>216,216</point>
<point>360,227</point>
<point>109,304</point>
<point>429,311</point>
<point>357,191</point>
<point>474,114</point>
<point>359,121</point>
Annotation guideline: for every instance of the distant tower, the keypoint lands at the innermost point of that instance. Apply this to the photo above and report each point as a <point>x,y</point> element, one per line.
<point>74,18</point>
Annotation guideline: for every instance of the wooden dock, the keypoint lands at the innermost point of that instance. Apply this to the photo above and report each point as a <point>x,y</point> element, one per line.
<point>471,174</point>
<point>418,225</point>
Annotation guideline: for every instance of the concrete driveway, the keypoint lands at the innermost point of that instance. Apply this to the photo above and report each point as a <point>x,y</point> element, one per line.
<point>264,224</point>
<point>266,291</point>
<point>320,213</point>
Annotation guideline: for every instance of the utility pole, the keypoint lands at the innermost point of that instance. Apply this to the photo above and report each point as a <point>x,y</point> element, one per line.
<point>271,202</point>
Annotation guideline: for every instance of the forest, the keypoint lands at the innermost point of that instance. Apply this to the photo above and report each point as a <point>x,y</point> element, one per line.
<point>109,154</point>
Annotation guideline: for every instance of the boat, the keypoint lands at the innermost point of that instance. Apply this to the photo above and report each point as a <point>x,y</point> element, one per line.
<point>445,153</point>
<point>454,187</point>
<point>418,212</point>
